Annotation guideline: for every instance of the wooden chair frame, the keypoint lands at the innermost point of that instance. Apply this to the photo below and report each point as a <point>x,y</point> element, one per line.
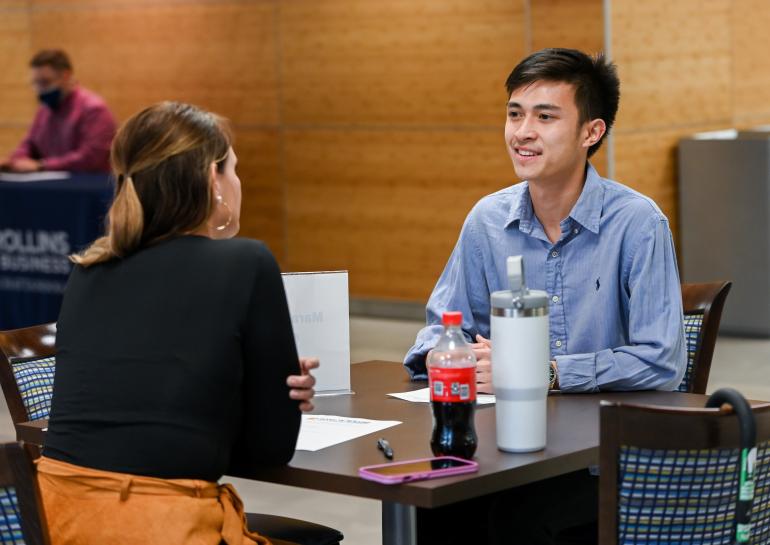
<point>707,299</point>
<point>17,470</point>
<point>655,427</point>
<point>27,343</point>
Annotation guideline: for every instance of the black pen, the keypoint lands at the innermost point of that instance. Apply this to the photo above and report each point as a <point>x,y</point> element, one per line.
<point>383,445</point>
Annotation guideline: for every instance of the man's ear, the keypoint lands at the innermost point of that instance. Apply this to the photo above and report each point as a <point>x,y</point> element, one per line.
<point>66,77</point>
<point>595,129</point>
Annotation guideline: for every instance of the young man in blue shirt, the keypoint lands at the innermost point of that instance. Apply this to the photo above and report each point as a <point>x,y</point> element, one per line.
<point>604,254</point>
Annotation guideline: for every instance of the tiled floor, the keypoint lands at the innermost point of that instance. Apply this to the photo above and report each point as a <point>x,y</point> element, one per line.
<point>740,363</point>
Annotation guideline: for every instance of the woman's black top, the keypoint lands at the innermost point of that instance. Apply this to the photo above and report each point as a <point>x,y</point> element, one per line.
<point>172,363</point>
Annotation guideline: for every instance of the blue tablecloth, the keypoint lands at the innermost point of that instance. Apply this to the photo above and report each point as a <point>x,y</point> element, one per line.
<point>41,223</point>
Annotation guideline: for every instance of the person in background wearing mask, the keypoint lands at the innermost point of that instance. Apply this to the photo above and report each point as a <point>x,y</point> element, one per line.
<point>73,128</point>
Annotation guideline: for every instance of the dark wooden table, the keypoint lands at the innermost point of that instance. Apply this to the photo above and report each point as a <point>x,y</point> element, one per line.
<point>573,443</point>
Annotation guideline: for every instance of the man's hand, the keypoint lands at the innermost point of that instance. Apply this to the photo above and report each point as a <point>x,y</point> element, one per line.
<point>5,164</point>
<point>24,164</point>
<point>302,385</point>
<point>482,349</point>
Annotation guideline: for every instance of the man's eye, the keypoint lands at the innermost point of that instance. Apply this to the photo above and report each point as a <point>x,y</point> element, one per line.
<point>546,117</point>
<point>513,115</point>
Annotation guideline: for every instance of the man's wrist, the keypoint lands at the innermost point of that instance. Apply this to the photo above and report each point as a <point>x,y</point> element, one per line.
<point>553,382</point>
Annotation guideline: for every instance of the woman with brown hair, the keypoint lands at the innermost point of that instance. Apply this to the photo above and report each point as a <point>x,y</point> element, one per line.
<point>176,361</point>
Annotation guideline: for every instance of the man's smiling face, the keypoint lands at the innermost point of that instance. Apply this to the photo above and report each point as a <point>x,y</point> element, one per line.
<point>543,132</point>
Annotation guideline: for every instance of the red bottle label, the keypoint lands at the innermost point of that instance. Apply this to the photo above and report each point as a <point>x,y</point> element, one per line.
<point>452,384</point>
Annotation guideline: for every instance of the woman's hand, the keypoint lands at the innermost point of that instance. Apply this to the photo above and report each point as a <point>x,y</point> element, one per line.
<point>302,385</point>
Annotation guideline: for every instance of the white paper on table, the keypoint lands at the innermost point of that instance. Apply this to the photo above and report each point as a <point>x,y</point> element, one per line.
<point>322,430</point>
<point>423,396</point>
<point>34,176</point>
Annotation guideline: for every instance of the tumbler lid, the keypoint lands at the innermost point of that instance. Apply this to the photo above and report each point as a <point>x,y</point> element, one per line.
<point>518,297</point>
<point>508,299</point>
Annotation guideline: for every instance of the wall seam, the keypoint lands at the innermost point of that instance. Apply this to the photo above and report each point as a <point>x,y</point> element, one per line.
<point>281,129</point>
<point>528,26</point>
<point>658,128</point>
<point>607,15</point>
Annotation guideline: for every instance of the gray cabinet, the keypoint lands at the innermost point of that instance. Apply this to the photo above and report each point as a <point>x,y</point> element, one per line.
<point>724,228</point>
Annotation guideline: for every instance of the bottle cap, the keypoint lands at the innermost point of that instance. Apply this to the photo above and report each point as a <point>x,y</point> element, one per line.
<point>452,318</point>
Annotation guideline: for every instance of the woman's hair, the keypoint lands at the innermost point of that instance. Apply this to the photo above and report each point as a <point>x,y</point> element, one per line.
<point>161,159</point>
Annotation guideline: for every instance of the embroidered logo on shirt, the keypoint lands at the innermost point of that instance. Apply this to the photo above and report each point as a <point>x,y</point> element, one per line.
<point>597,284</point>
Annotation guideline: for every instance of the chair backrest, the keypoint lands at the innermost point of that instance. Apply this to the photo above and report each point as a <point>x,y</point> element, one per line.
<point>670,475</point>
<point>703,304</point>
<point>27,363</point>
<point>21,511</point>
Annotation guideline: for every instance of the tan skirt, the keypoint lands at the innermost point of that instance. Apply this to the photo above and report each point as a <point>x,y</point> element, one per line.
<point>88,506</point>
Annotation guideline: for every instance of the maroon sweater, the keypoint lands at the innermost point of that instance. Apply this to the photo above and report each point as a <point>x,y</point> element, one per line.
<point>75,137</point>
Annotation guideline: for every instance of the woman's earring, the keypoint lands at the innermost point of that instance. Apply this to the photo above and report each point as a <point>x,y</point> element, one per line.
<point>221,201</point>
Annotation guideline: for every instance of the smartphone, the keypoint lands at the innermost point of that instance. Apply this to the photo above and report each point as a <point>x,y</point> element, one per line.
<point>415,470</point>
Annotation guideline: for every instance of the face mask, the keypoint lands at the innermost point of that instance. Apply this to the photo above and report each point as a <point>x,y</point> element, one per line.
<point>51,98</point>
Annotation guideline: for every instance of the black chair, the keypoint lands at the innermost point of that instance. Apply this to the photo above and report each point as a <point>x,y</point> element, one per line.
<point>21,520</point>
<point>27,366</point>
<point>703,304</point>
<point>672,475</point>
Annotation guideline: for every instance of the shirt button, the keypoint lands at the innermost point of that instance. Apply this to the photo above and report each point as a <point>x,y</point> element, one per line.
<point>554,254</point>
<point>555,298</point>
<point>576,230</point>
<point>557,343</point>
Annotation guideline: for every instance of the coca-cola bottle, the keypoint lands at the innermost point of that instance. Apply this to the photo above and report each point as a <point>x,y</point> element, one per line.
<point>452,378</point>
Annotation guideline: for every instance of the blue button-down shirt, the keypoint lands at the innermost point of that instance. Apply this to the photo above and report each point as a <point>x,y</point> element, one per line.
<point>612,282</point>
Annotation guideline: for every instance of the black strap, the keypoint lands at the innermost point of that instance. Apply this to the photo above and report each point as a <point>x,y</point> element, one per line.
<point>748,431</point>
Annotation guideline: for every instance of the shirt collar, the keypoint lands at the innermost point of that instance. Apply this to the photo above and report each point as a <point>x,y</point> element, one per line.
<point>521,209</point>
<point>68,100</point>
<point>587,210</point>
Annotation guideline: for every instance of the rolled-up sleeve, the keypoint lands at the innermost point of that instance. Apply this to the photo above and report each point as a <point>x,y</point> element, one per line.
<point>655,356</point>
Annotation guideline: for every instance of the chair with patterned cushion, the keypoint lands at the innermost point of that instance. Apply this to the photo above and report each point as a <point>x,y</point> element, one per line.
<point>21,520</point>
<point>703,304</point>
<point>671,475</point>
<point>27,365</point>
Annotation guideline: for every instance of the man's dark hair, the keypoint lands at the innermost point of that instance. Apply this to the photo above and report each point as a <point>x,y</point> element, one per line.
<point>597,87</point>
<point>55,58</point>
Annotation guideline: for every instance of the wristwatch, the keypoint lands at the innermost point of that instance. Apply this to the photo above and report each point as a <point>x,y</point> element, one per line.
<point>553,376</point>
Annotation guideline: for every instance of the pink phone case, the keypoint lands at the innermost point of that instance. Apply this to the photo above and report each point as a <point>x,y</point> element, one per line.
<point>469,466</point>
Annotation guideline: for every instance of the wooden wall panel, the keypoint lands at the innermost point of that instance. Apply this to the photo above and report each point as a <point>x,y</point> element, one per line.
<point>576,24</point>
<point>259,169</point>
<point>356,120</point>
<point>599,159</point>
<point>17,104</point>
<point>751,62</point>
<point>390,207</point>
<point>748,121</point>
<point>647,162</point>
<point>221,56</point>
<point>438,62</point>
<point>674,60</point>
<point>10,136</point>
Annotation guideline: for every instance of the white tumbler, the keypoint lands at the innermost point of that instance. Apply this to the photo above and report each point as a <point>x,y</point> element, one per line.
<point>520,362</point>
